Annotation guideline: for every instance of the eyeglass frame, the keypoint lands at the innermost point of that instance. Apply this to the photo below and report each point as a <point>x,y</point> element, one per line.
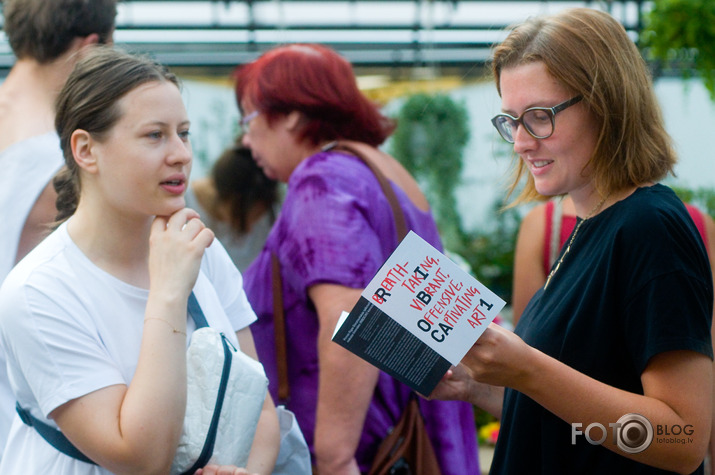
<point>245,121</point>
<point>553,111</point>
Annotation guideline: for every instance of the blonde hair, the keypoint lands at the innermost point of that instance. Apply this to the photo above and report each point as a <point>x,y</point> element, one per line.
<point>591,55</point>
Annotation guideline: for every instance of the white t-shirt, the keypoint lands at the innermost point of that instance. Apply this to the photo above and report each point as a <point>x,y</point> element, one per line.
<point>27,167</point>
<point>71,328</point>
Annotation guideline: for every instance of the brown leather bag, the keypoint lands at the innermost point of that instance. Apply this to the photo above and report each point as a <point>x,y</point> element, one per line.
<point>406,450</point>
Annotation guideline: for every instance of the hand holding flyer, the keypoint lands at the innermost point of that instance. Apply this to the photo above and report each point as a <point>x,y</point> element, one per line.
<point>420,314</point>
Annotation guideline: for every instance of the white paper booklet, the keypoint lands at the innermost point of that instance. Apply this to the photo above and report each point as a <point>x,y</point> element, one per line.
<point>419,315</point>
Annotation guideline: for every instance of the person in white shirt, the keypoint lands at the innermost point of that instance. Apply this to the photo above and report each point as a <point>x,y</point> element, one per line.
<point>94,319</point>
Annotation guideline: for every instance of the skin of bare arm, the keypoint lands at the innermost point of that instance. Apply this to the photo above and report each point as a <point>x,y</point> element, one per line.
<point>458,385</point>
<point>266,442</point>
<point>346,385</point>
<point>222,470</point>
<point>497,359</point>
<point>528,260</point>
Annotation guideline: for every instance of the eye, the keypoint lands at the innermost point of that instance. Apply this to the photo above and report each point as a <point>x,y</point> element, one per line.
<point>539,115</point>
<point>155,135</point>
<point>184,134</point>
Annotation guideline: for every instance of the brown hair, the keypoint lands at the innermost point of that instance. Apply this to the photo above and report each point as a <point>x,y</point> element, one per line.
<point>44,29</point>
<point>591,55</point>
<point>88,101</point>
<point>242,185</point>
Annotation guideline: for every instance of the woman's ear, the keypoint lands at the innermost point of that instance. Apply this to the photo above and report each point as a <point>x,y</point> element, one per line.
<point>294,120</point>
<point>82,149</point>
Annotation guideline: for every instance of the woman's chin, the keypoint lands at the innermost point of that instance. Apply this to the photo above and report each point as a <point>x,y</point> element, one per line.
<point>172,208</point>
<point>546,189</point>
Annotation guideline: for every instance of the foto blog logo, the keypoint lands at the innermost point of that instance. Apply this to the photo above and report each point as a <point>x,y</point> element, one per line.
<point>633,433</point>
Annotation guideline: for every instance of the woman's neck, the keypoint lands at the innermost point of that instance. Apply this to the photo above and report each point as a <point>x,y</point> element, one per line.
<point>593,203</point>
<point>117,245</point>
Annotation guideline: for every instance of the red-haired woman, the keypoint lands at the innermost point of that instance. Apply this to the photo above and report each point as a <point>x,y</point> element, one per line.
<point>334,231</point>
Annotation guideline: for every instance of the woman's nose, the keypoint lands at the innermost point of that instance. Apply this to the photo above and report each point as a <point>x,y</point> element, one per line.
<point>523,140</point>
<point>180,150</point>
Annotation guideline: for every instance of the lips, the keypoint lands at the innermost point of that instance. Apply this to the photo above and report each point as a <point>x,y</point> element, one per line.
<point>538,166</point>
<point>174,186</point>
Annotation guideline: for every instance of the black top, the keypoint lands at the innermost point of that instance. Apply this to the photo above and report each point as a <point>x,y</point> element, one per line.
<point>636,282</point>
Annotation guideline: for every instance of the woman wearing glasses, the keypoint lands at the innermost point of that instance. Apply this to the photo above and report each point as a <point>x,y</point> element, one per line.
<point>334,231</point>
<point>609,369</point>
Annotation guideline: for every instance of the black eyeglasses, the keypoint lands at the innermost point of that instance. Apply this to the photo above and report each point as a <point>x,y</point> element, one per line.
<point>538,121</point>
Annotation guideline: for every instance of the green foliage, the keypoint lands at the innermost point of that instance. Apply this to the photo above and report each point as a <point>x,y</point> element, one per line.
<point>432,131</point>
<point>490,253</point>
<point>681,33</point>
<point>482,417</point>
<point>431,134</point>
<point>703,198</point>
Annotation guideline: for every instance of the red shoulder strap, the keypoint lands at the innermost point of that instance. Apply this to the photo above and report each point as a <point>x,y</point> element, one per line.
<point>699,221</point>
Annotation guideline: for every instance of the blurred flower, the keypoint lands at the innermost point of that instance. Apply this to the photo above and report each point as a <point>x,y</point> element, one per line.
<point>488,433</point>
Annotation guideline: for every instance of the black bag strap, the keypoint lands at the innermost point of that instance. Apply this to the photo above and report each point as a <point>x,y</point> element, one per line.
<point>53,436</point>
<point>60,442</point>
<point>194,310</point>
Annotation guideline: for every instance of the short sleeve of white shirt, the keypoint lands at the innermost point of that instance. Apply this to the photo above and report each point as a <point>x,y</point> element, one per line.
<point>69,329</point>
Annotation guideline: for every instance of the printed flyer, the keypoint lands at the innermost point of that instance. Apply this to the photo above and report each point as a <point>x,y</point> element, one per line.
<point>419,315</point>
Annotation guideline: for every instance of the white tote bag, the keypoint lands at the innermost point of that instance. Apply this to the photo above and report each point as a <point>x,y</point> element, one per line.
<point>225,395</point>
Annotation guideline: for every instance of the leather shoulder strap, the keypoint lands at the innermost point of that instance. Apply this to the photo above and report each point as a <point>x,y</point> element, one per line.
<point>279,330</point>
<point>368,155</point>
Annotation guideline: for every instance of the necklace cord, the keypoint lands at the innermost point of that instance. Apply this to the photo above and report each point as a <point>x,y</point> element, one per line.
<point>573,236</point>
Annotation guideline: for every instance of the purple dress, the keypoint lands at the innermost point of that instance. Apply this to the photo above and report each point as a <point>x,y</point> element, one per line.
<point>336,226</point>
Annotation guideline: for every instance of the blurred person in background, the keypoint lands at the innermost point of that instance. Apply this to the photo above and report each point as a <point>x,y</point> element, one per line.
<point>238,202</point>
<point>47,38</point>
